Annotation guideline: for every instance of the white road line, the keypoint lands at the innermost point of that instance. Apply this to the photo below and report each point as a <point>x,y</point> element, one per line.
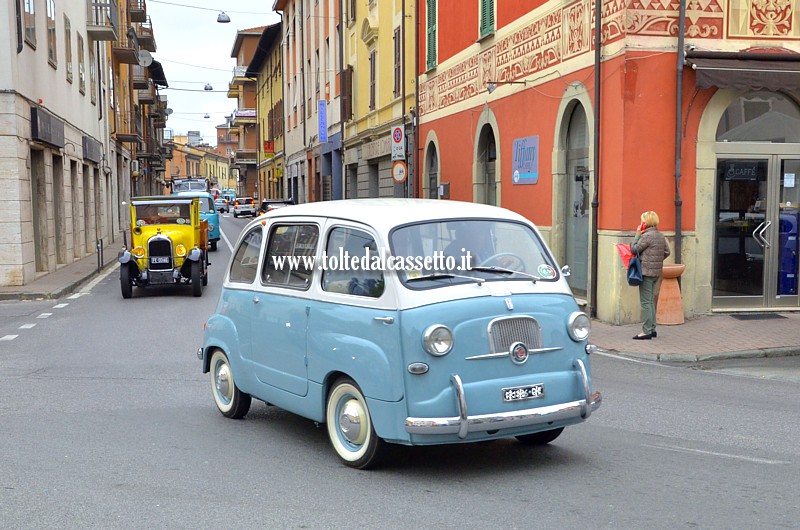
<point>45,315</point>
<point>59,306</point>
<point>75,296</point>
<point>230,246</point>
<point>714,453</point>
<point>9,337</point>
<point>27,326</point>
<point>89,286</point>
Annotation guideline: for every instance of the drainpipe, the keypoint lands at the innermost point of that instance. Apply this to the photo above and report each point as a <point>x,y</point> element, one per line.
<point>417,176</point>
<point>679,130</point>
<point>340,44</point>
<point>598,26</point>
<point>303,103</point>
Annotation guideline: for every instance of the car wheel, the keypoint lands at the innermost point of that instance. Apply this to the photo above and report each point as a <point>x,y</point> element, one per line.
<point>231,402</point>
<point>213,246</point>
<point>235,214</point>
<point>350,426</point>
<point>540,438</point>
<point>125,281</point>
<point>197,280</point>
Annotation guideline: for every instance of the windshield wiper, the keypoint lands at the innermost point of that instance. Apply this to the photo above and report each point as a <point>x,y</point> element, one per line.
<point>501,270</point>
<point>445,276</point>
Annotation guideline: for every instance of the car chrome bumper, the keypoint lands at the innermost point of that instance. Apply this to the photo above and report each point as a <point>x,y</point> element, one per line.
<point>464,424</point>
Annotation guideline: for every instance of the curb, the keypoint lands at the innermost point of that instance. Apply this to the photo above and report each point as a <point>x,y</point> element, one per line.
<point>785,351</point>
<point>59,292</point>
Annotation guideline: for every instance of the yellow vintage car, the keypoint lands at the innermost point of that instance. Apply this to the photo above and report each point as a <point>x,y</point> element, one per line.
<point>169,244</point>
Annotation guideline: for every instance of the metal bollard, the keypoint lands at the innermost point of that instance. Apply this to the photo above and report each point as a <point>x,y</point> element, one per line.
<point>99,255</point>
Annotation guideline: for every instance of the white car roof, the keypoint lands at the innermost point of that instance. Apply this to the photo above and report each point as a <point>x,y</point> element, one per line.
<point>384,214</point>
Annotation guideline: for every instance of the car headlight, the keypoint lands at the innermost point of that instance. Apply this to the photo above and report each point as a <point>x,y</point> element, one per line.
<point>579,325</point>
<point>210,228</point>
<point>438,340</point>
<point>180,250</point>
<point>138,252</point>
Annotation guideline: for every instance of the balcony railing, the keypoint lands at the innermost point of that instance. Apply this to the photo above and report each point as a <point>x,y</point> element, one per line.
<point>144,32</point>
<point>148,148</point>
<point>126,47</point>
<point>129,126</point>
<point>244,116</point>
<point>147,95</point>
<point>245,157</point>
<point>137,9</point>
<point>102,19</point>
<point>239,77</point>
<point>140,79</point>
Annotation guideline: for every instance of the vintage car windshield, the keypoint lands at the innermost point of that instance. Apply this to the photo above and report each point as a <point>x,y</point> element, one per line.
<point>163,213</point>
<point>441,253</point>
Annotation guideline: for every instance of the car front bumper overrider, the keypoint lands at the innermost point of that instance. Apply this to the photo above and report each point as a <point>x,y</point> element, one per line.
<point>464,424</point>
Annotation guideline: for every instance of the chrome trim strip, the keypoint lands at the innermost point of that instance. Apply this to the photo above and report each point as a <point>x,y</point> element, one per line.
<point>505,354</point>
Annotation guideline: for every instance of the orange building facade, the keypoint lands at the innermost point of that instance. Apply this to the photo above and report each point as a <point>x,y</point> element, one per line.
<point>526,111</point>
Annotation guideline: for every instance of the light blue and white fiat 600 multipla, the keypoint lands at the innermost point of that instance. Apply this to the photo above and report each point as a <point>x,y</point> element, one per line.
<point>406,321</point>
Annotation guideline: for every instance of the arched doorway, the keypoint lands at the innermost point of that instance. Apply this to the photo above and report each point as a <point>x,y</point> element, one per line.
<point>757,202</point>
<point>576,233</point>
<point>486,185</point>
<point>432,168</point>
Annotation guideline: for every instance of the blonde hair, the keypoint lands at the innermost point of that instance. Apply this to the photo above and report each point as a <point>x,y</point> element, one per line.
<point>650,218</point>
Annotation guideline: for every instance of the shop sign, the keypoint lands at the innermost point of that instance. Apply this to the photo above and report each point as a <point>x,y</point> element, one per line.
<point>525,160</point>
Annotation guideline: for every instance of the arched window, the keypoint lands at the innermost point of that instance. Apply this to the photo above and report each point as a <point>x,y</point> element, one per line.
<point>760,116</point>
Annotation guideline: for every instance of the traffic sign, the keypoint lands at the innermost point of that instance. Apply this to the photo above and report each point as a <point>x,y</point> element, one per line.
<point>399,171</point>
<point>398,143</point>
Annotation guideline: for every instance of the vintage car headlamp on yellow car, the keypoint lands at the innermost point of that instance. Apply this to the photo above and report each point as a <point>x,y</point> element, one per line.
<point>138,252</point>
<point>180,250</point>
<point>579,325</point>
<point>438,340</point>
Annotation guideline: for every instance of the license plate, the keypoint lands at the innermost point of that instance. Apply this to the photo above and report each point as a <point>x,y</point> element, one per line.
<point>519,393</point>
<point>160,259</point>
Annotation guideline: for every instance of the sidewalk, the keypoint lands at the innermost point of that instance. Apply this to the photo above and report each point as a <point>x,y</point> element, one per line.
<point>707,337</point>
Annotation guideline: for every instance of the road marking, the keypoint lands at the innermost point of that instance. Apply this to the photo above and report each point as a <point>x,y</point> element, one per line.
<point>75,296</point>
<point>59,306</point>
<point>89,286</point>
<point>714,453</point>
<point>230,246</point>
<point>9,337</point>
<point>45,315</point>
<point>26,326</point>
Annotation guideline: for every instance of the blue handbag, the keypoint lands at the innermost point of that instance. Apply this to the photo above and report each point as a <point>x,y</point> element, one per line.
<point>635,271</point>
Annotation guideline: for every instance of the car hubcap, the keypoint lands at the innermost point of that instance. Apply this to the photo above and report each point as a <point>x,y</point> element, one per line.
<point>223,382</point>
<point>350,422</point>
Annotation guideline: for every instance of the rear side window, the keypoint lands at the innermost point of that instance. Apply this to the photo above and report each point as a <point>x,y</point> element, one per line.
<point>354,273</point>
<point>244,266</point>
<point>289,260</point>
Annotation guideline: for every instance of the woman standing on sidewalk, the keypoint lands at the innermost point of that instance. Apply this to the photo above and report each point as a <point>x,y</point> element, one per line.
<point>651,247</point>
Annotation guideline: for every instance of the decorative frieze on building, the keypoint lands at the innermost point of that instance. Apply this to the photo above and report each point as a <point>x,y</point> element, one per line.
<point>543,42</point>
<point>764,19</point>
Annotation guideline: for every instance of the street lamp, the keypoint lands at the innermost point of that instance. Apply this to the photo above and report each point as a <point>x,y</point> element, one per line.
<point>208,87</point>
<point>491,86</point>
<point>223,18</point>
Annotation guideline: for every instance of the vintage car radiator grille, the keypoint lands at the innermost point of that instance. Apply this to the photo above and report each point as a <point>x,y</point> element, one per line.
<point>158,250</point>
<point>504,332</point>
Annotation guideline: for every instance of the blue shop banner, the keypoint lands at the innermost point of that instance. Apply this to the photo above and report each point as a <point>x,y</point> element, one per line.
<point>525,160</point>
<point>323,121</point>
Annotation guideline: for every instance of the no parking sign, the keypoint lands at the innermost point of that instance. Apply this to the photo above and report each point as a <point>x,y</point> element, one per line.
<point>398,143</point>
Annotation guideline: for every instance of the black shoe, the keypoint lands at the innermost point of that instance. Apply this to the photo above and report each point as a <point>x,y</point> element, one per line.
<point>654,334</point>
<point>647,336</point>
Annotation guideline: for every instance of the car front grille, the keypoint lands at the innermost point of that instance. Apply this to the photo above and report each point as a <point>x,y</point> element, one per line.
<point>503,332</point>
<point>158,249</point>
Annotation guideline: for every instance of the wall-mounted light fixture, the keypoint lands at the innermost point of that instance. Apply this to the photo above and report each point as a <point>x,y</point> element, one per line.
<point>491,86</point>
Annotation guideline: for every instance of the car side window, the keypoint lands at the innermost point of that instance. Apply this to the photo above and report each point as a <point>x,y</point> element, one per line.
<point>355,250</point>
<point>289,260</point>
<point>244,266</point>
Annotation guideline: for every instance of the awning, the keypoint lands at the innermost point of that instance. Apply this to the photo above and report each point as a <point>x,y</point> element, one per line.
<point>744,70</point>
<point>157,74</point>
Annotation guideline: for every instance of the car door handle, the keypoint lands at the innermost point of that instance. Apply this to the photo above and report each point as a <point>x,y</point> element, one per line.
<point>256,300</point>
<point>385,320</point>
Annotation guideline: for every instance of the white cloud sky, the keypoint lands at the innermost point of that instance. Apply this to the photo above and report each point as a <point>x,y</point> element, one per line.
<point>195,49</point>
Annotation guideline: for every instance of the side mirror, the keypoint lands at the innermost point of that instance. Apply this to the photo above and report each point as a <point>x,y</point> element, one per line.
<point>565,271</point>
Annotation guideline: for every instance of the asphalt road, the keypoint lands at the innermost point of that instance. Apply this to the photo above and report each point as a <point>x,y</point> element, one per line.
<point>107,422</point>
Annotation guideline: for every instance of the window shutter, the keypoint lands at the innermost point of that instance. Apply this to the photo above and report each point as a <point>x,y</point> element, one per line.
<point>347,93</point>
<point>487,17</point>
<point>431,22</point>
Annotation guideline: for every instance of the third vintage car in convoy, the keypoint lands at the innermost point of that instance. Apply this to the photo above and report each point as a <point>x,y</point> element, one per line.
<point>169,244</point>
<point>406,321</point>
